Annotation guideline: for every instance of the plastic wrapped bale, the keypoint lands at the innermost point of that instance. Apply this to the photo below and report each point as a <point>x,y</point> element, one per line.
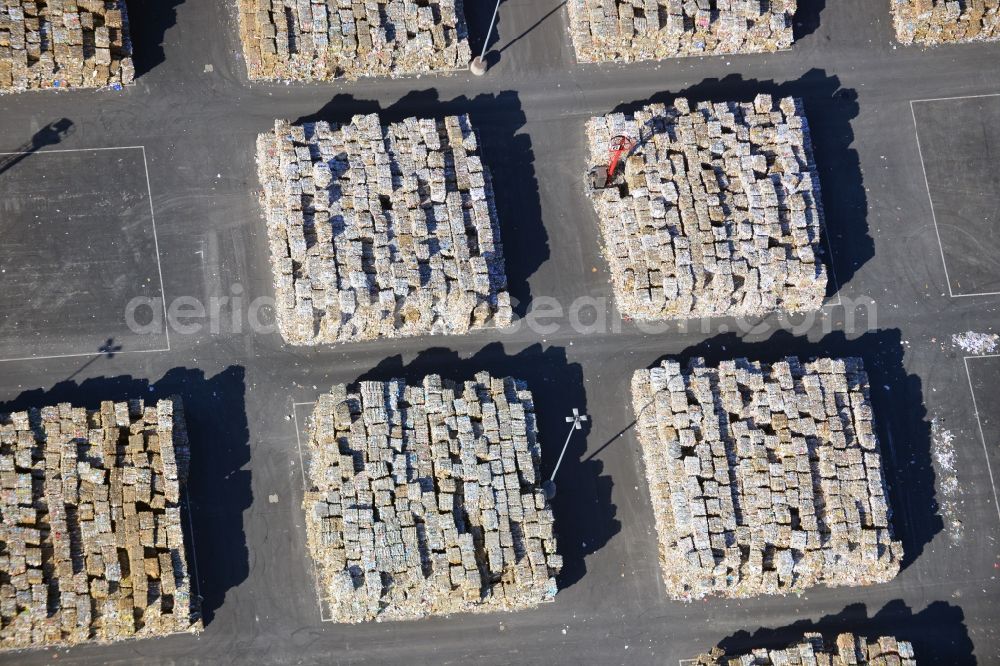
<point>329,39</point>
<point>64,44</point>
<point>631,30</point>
<point>716,210</point>
<point>813,650</point>
<point>425,500</point>
<point>933,22</point>
<point>381,231</point>
<point>765,479</point>
<point>91,543</point>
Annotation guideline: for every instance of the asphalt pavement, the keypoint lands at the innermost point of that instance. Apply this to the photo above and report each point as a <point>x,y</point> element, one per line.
<point>195,117</point>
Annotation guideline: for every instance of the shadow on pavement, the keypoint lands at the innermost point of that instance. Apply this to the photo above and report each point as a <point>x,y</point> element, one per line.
<point>829,111</point>
<point>584,515</point>
<point>478,14</point>
<point>218,486</point>
<point>493,57</point>
<point>148,23</point>
<point>50,135</point>
<point>806,20</point>
<point>508,154</point>
<point>897,402</point>
<point>938,632</point>
<point>108,350</point>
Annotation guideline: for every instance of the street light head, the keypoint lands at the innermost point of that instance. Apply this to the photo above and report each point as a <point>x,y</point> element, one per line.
<point>576,423</point>
<point>577,419</point>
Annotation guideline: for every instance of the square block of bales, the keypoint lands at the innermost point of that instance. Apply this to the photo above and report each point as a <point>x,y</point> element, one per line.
<point>64,44</point>
<point>91,545</point>
<point>717,209</point>
<point>425,500</point>
<point>932,22</point>
<point>813,650</point>
<point>329,39</point>
<point>630,30</point>
<point>381,232</point>
<point>765,479</point>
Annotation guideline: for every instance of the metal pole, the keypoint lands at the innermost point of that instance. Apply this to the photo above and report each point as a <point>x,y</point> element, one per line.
<point>576,421</point>
<point>559,462</point>
<point>490,31</point>
<point>478,65</point>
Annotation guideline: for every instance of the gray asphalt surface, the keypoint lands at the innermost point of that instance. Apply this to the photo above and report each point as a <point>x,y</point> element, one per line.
<point>78,238</point>
<point>891,306</point>
<point>961,143</point>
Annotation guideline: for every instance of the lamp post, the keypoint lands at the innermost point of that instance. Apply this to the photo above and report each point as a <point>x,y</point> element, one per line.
<point>577,420</point>
<point>478,64</point>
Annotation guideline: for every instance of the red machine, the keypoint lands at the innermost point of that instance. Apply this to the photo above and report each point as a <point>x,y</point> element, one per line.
<point>621,145</point>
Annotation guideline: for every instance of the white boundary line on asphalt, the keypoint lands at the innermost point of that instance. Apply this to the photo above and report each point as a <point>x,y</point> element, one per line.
<point>87,354</point>
<point>979,422</point>
<point>927,186</point>
<point>945,99</point>
<point>194,547</point>
<point>71,150</point>
<point>156,245</point>
<point>302,467</point>
<point>833,270</point>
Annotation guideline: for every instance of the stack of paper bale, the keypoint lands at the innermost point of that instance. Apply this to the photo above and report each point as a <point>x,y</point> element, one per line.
<point>91,545</point>
<point>64,44</point>
<point>932,22</point>
<point>812,650</point>
<point>381,231</point>
<point>327,39</point>
<point>718,211</point>
<point>425,500</point>
<point>765,479</point>
<point>630,30</point>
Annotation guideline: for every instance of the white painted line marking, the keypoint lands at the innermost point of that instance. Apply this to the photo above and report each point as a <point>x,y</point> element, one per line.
<point>87,354</point>
<point>833,270</point>
<point>890,444</point>
<point>194,548</point>
<point>298,443</point>
<point>156,244</point>
<point>927,185</point>
<point>71,150</point>
<point>945,99</point>
<point>937,231</point>
<point>305,488</point>
<point>982,435</point>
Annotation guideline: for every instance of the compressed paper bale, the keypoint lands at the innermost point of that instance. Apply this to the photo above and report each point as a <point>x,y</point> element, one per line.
<point>425,500</point>
<point>56,44</point>
<point>933,22</point>
<point>813,650</point>
<point>381,231</point>
<point>765,479</point>
<point>631,30</point>
<point>91,518</point>
<point>329,39</point>
<point>716,211</point>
